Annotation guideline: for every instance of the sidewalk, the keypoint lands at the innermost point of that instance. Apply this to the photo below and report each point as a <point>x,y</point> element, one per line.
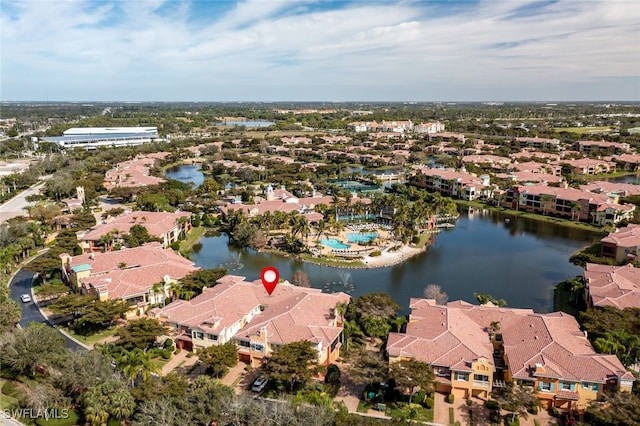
<point>179,362</point>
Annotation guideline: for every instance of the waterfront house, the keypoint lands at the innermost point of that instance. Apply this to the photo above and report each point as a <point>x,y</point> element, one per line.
<point>456,184</point>
<point>536,143</point>
<point>610,285</point>
<point>623,245</point>
<point>473,349</point>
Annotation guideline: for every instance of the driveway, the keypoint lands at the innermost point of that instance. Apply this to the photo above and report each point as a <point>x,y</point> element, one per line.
<point>22,283</point>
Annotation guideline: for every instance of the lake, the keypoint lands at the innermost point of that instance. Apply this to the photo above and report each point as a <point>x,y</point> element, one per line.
<point>520,261</point>
<point>186,174</point>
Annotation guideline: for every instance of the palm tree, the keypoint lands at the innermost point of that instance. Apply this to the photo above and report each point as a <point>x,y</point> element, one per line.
<point>135,364</point>
<point>544,199</point>
<point>609,344</point>
<point>96,412</point>
<point>575,208</point>
<point>121,404</point>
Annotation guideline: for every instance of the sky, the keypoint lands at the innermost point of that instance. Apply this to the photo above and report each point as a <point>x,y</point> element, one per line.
<point>320,50</point>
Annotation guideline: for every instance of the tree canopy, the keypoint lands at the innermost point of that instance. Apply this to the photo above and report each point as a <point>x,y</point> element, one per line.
<point>293,363</point>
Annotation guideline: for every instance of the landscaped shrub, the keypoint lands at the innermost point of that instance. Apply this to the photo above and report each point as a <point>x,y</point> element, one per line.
<point>419,397</point>
<point>415,240</point>
<point>375,253</point>
<point>175,245</point>
<point>332,379</point>
<point>429,403</point>
<point>512,421</point>
<point>554,412</point>
<point>190,355</point>
<point>492,404</point>
<point>533,409</point>
<point>469,402</point>
<point>450,398</point>
<point>494,417</point>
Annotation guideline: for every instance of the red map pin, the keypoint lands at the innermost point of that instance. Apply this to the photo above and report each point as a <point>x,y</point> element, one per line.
<point>270,277</point>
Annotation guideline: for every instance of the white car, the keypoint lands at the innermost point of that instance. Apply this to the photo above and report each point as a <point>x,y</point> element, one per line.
<point>25,298</point>
<point>259,384</point>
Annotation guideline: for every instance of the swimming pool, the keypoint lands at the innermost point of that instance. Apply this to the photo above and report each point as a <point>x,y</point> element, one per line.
<point>361,237</point>
<point>334,244</point>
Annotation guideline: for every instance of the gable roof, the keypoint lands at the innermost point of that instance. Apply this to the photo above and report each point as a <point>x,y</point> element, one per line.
<point>617,286</point>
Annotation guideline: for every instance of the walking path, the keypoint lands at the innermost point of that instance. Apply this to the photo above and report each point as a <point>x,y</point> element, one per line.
<point>179,362</point>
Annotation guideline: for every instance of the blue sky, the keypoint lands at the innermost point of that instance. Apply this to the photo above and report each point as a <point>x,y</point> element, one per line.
<point>320,50</point>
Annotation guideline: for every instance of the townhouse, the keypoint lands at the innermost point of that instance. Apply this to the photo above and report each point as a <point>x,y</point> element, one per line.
<point>612,188</point>
<point>610,285</point>
<point>238,311</point>
<point>141,276</point>
<point>623,245</point>
<point>474,349</point>
<point>455,184</point>
<point>429,127</point>
<point>628,162</point>
<point>168,227</point>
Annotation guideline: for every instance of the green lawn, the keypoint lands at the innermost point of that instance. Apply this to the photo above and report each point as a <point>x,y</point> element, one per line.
<point>91,340</point>
<point>413,412</point>
<point>192,237</point>
<point>584,130</point>
<point>332,261</point>
<point>6,401</point>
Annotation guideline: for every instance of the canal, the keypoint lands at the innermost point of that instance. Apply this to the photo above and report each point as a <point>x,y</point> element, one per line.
<point>519,260</point>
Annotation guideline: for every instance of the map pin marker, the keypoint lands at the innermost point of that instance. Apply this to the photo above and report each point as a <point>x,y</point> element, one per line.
<point>270,277</point>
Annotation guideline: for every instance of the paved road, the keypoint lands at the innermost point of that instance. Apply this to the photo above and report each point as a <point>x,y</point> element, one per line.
<point>15,206</point>
<point>21,284</point>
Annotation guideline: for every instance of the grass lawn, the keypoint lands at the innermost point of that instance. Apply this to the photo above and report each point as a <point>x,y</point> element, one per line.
<point>364,406</point>
<point>404,412</point>
<point>192,237</point>
<point>332,261</point>
<point>6,401</point>
<point>91,340</point>
<point>424,238</point>
<point>584,130</point>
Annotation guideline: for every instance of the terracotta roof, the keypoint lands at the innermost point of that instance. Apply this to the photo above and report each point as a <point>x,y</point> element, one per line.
<point>145,266</point>
<point>157,223</point>
<point>536,345</point>
<point>294,313</point>
<point>617,286</point>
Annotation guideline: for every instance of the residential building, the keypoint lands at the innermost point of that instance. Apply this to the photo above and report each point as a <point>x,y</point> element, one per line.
<point>168,227</point>
<point>591,146</point>
<point>572,203</point>
<point>446,137</point>
<point>429,127</point>
<point>242,312</point>
<point>537,143</point>
<point>628,162</point>
<point>590,166</point>
<point>609,285</point>
<point>132,174</point>
<point>455,184</point>
<point>614,189</point>
<point>475,348</point>
<point>141,276</point>
<point>623,245</point>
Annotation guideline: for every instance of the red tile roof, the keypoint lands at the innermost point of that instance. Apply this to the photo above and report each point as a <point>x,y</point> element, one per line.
<point>617,286</point>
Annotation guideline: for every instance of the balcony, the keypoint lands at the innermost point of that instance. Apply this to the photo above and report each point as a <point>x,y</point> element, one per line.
<point>481,384</point>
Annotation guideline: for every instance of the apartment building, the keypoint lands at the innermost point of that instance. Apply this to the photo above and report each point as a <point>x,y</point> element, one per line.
<point>235,310</point>
<point>473,349</point>
<point>455,184</point>
<point>592,146</point>
<point>141,276</point>
<point>168,227</point>
<point>536,143</point>
<point>590,166</point>
<point>623,245</point>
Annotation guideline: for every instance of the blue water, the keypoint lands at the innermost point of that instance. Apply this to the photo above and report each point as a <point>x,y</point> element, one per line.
<point>334,244</point>
<point>186,174</point>
<point>361,237</point>
<point>248,123</point>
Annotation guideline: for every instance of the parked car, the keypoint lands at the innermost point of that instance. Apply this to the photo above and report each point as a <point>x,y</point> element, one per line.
<point>25,298</point>
<point>259,384</point>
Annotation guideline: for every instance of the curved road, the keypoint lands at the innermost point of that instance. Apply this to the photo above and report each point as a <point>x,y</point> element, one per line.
<point>21,283</point>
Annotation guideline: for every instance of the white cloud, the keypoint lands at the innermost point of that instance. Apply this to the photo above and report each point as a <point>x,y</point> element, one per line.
<point>365,50</point>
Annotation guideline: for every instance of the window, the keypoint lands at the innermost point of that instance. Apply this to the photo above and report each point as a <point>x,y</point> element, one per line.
<point>257,347</point>
<point>464,377</point>
<point>243,343</point>
<point>480,378</point>
<point>545,386</point>
<point>198,335</point>
<point>565,386</point>
<point>443,372</point>
<point>212,336</point>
